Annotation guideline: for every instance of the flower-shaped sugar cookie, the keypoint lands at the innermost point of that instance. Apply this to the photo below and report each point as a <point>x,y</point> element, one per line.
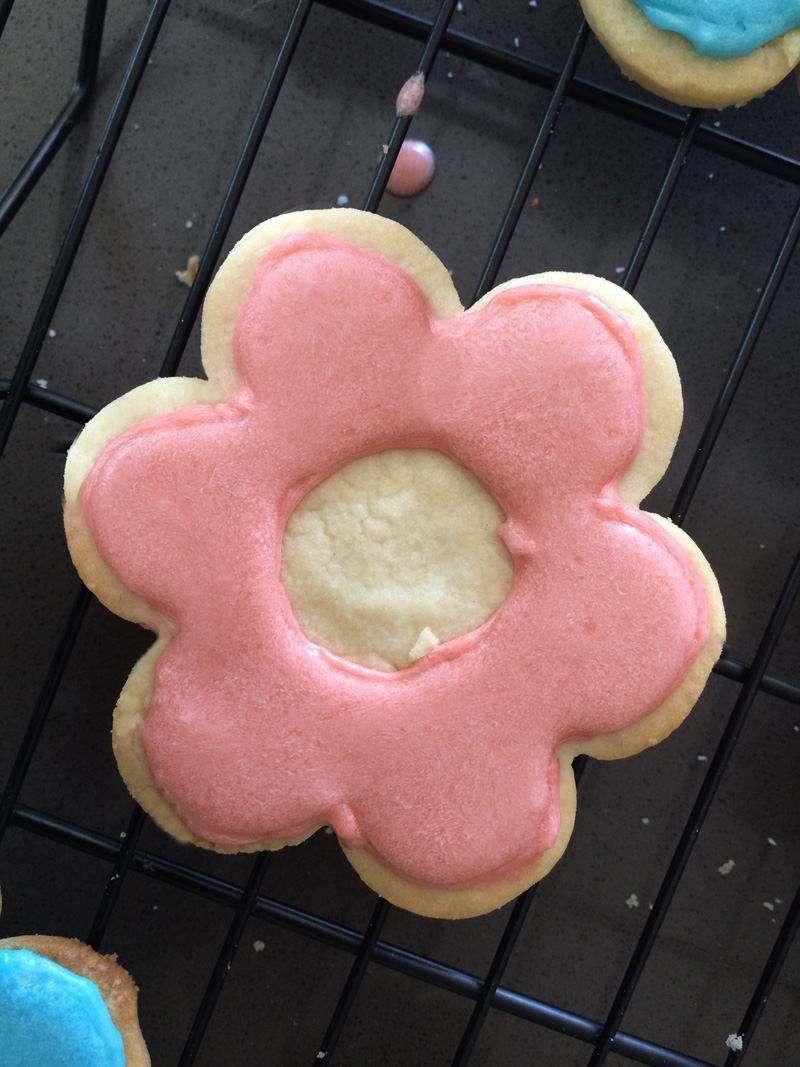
<point>333,337</point>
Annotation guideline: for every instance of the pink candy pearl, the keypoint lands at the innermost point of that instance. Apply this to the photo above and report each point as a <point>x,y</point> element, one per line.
<point>413,169</point>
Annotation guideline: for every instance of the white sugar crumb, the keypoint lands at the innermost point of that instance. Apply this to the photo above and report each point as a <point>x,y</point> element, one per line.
<point>321,1055</point>
<point>188,224</point>
<point>51,333</point>
<point>734,1042</point>
<point>516,42</point>
<point>645,821</point>
<point>425,642</point>
<point>772,841</point>
<point>342,200</point>
<point>702,759</point>
<point>632,901</point>
<point>727,867</point>
<point>259,946</point>
<point>619,270</point>
<point>42,382</point>
<point>769,905</point>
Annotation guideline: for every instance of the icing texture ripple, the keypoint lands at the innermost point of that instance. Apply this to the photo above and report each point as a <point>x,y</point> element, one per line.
<point>446,772</point>
<point>50,1016</point>
<point>724,29</point>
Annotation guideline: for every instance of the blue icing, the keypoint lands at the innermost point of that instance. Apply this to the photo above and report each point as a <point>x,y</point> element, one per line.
<point>48,1015</point>
<point>724,29</point>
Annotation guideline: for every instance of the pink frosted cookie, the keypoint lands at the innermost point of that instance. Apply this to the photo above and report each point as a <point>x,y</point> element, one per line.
<point>394,557</point>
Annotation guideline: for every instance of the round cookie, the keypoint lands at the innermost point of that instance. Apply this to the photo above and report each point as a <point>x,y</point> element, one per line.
<point>331,338</point>
<point>667,64</point>
<point>41,984</point>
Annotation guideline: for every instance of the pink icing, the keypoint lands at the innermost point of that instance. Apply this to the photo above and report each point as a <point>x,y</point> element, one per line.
<point>413,172</point>
<point>445,771</point>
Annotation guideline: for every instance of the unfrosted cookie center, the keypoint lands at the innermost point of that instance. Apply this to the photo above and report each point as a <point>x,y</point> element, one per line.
<point>392,555</point>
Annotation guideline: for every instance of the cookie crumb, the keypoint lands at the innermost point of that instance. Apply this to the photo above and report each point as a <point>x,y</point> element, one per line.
<point>734,1041</point>
<point>188,276</point>
<point>726,867</point>
<point>425,642</point>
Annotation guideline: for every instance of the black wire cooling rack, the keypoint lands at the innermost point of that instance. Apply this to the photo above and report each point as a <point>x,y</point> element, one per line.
<point>242,891</point>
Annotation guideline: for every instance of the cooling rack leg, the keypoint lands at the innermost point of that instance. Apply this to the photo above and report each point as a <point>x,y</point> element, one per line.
<point>17,192</point>
<point>214,987</point>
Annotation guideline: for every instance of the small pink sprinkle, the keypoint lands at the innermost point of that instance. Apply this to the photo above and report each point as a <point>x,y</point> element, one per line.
<point>410,96</point>
<point>413,170</point>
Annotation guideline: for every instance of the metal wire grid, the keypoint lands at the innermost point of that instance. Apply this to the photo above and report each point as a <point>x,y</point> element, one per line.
<point>562,82</point>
